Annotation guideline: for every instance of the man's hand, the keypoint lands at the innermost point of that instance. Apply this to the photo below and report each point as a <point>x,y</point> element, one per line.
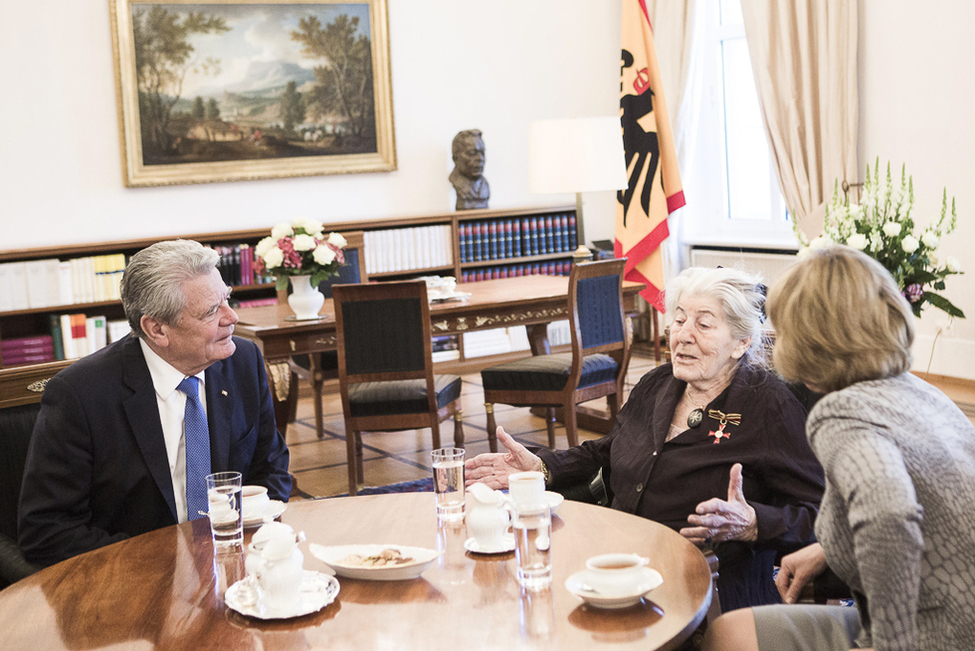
<point>798,569</point>
<point>718,520</point>
<point>493,468</point>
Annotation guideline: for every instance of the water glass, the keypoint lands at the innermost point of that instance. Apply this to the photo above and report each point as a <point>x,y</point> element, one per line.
<point>448,483</point>
<point>226,516</point>
<point>532,525</point>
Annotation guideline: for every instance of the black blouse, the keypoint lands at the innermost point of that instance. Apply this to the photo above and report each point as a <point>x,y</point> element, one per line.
<point>665,480</point>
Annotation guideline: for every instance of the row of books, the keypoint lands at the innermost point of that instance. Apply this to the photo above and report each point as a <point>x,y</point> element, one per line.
<point>406,249</point>
<point>236,265</point>
<point>51,282</point>
<point>71,336</point>
<point>498,239</point>
<point>551,268</point>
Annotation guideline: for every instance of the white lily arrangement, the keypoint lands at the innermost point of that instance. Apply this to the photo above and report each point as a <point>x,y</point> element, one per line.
<point>881,226</point>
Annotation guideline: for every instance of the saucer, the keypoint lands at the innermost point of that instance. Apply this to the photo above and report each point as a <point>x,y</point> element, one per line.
<point>507,545</point>
<point>317,591</point>
<point>272,509</point>
<point>579,585</point>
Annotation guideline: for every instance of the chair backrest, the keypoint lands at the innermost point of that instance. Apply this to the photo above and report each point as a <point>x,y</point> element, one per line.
<point>16,427</point>
<point>596,305</point>
<point>354,269</point>
<point>383,331</point>
<point>20,401</point>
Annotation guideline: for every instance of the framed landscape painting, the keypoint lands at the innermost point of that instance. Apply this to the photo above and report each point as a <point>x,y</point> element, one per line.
<point>242,90</point>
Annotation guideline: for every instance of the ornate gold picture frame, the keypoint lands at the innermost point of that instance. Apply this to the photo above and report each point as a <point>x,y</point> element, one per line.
<point>242,90</point>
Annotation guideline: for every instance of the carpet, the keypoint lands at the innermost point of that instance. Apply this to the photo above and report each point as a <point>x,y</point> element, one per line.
<point>415,486</point>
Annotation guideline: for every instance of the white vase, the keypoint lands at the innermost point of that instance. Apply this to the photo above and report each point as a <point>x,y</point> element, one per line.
<point>305,300</point>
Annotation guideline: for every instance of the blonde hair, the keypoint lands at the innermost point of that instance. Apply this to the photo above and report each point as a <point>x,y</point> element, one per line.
<point>741,296</point>
<point>839,319</point>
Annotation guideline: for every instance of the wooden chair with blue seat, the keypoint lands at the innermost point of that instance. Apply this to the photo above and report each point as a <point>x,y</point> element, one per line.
<point>21,388</point>
<point>324,366</point>
<point>385,362</point>
<point>595,367</point>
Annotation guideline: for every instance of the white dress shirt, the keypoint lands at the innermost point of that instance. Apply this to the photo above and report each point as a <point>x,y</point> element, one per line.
<point>172,407</point>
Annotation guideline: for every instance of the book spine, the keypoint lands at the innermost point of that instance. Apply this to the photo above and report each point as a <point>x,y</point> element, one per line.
<point>533,227</point>
<point>69,346</point>
<point>509,249</point>
<point>470,242</point>
<point>476,229</point>
<point>493,235</point>
<point>54,321</point>
<point>29,358</point>
<point>549,235</point>
<point>516,238</point>
<point>573,235</point>
<point>564,221</point>
<point>21,342</point>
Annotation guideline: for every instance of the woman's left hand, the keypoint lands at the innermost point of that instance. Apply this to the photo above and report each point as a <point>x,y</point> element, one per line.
<point>718,520</point>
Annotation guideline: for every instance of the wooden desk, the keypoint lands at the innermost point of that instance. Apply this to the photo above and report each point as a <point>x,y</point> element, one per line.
<point>165,589</point>
<point>531,301</point>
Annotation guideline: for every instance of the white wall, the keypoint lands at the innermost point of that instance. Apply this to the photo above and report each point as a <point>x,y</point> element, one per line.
<point>494,66</point>
<point>916,98</point>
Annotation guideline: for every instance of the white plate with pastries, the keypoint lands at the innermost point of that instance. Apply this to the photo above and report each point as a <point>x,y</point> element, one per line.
<point>375,562</point>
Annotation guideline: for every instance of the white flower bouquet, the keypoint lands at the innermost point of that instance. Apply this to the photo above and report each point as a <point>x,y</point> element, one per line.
<point>882,227</point>
<point>300,248</point>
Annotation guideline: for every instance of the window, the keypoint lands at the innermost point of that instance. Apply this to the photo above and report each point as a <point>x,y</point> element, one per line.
<point>732,189</point>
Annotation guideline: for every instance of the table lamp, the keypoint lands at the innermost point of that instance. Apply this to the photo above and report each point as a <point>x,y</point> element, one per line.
<point>576,155</point>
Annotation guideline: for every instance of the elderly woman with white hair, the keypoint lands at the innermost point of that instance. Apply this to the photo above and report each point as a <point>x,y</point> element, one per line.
<point>712,444</point>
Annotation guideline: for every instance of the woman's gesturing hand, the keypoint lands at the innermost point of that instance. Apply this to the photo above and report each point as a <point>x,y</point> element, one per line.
<point>798,569</point>
<point>493,468</point>
<point>718,520</point>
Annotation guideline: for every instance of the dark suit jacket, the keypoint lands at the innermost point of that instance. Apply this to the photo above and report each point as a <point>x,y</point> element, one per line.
<point>97,470</point>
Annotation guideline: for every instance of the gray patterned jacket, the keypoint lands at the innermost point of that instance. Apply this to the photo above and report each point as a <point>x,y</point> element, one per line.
<point>897,520</point>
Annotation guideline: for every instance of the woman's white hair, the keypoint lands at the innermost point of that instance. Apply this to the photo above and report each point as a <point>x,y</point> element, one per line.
<point>741,296</point>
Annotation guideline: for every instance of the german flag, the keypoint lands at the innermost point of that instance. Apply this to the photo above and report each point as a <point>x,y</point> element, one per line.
<point>654,189</point>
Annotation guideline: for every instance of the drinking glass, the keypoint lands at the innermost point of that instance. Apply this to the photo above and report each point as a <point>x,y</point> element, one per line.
<point>532,525</point>
<point>226,516</point>
<point>448,483</point>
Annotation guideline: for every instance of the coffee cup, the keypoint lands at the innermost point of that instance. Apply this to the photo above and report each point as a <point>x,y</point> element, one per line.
<point>527,490</point>
<point>611,573</point>
<point>253,499</point>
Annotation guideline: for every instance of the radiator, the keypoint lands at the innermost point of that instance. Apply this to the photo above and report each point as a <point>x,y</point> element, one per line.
<point>768,264</point>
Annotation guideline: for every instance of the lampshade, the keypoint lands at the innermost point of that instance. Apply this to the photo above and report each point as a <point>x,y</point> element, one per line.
<point>576,155</point>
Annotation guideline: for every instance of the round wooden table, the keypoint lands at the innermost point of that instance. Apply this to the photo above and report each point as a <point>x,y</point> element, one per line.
<point>164,589</point>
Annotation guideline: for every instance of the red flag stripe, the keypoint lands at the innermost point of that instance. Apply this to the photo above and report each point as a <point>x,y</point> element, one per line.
<point>643,248</point>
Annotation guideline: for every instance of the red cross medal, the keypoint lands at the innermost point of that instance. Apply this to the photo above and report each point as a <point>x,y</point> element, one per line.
<point>723,419</point>
<point>720,434</point>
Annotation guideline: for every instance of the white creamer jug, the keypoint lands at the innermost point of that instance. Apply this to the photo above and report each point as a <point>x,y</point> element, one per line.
<point>487,517</point>
<point>277,565</point>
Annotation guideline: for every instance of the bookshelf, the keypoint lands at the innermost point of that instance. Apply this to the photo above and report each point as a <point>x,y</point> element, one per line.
<point>402,248</point>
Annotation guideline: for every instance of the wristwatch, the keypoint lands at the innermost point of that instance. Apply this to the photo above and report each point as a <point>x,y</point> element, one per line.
<point>545,472</point>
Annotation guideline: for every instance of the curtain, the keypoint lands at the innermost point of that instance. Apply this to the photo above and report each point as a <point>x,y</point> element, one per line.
<point>804,57</point>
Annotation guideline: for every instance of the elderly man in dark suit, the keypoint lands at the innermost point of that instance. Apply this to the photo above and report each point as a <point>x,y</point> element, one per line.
<point>108,457</point>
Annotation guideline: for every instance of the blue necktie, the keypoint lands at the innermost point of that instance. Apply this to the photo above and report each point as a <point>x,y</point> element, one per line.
<point>197,442</point>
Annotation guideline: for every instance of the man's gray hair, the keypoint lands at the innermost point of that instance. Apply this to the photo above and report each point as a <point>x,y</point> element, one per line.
<point>152,284</point>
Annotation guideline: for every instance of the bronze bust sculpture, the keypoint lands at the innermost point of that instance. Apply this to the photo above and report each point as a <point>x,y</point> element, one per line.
<point>467,177</point>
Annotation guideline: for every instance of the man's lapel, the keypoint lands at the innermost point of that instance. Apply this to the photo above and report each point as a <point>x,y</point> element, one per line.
<point>220,405</point>
<point>142,412</point>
